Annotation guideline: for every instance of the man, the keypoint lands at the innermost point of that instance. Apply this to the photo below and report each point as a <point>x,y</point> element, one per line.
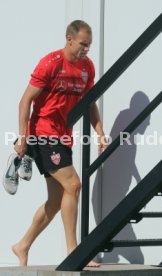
<point>57,84</point>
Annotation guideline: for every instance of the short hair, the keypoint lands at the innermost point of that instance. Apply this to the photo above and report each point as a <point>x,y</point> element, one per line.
<point>75,26</point>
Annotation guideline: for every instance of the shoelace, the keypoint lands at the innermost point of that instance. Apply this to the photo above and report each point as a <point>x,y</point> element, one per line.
<point>14,180</point>
<point>26,163</point>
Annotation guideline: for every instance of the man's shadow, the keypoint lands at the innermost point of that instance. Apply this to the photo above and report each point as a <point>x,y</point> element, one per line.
<point>118,171</point>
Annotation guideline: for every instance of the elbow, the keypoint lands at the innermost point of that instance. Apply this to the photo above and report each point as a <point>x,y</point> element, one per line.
<point>24,108</point>
<point>20,104</point>
<point>24,103</point>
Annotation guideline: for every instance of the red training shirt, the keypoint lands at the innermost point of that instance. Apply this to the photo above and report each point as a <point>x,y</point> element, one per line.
<point>64,84</point>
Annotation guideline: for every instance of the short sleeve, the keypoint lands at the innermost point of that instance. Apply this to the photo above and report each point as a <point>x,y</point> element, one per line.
<point>41,74</point>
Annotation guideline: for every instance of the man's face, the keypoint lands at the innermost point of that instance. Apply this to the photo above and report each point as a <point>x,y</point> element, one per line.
<point>80,44</point>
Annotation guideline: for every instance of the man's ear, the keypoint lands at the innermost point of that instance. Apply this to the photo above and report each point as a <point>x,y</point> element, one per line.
<point>69,39</point>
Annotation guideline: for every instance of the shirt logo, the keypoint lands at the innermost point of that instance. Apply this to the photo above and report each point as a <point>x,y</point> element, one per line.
<point>56,158</point>
<point>61,86</point>
<point>84,75</point>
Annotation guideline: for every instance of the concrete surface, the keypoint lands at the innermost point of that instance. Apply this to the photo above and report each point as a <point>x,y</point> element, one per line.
<point>106,269</point>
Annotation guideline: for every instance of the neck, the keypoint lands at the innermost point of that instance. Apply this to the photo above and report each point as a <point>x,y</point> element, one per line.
<point>69,55</point>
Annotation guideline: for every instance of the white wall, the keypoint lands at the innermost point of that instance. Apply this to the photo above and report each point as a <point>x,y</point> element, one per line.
<point>124,22</point>
<point>29,30</point>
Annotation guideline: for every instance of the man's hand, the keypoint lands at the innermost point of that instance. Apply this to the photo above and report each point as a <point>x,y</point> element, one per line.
<point>21,146</point>
<point>102,144</point>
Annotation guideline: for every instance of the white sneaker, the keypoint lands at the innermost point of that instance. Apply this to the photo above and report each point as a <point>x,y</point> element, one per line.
<point>25,168</point>
<point>11,178</point>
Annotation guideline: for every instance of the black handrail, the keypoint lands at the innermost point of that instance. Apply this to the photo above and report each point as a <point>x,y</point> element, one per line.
<point>99,88</point>
<point>88,169</point>
<point>114,222</point>
<point>116,70</point>
<point>129,129</point>
<point>85,177</point>
<point>83,108</point>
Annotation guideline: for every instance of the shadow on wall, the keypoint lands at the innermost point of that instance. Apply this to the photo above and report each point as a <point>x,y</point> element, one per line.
<point>118,171</point>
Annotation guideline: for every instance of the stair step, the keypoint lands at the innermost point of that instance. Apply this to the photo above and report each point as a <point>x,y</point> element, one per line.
<point>131,243</point>
<point>151,214</point>
<point>139,216</point>
<point>113,223</point>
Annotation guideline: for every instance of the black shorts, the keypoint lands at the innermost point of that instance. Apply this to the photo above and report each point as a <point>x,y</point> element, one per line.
<point>50,157</point>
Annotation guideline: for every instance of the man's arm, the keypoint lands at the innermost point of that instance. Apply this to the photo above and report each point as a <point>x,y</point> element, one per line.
<point>97,125</point>
<point>29,95</point>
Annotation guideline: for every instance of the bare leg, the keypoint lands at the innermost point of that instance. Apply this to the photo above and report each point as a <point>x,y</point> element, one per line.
<point>42,218</point>
<point>69,179</point>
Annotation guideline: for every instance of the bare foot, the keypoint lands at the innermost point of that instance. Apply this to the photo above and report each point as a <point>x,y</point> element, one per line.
<point>21,253</point>
<point>93,264</point>
<point>90,264</point>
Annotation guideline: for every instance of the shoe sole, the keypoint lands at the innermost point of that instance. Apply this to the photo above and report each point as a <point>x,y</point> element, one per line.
<point>24,177</point>
<point>4,176</point>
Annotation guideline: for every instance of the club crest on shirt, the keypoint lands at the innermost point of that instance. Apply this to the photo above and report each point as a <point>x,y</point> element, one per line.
<point>56,158</point>
<point>84,75</point>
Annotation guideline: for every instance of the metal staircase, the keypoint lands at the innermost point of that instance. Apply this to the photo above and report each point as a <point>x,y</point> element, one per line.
<point>128,210</point>
<point>100,239</point>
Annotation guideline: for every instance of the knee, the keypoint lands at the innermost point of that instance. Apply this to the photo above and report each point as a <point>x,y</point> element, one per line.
<point>74,188</point>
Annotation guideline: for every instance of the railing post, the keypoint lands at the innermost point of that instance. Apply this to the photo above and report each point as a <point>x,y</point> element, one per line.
<point>85,177</point>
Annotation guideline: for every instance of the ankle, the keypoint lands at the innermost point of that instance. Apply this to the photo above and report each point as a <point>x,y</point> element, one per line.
<point>23,246</point>
<point>71,249</point>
